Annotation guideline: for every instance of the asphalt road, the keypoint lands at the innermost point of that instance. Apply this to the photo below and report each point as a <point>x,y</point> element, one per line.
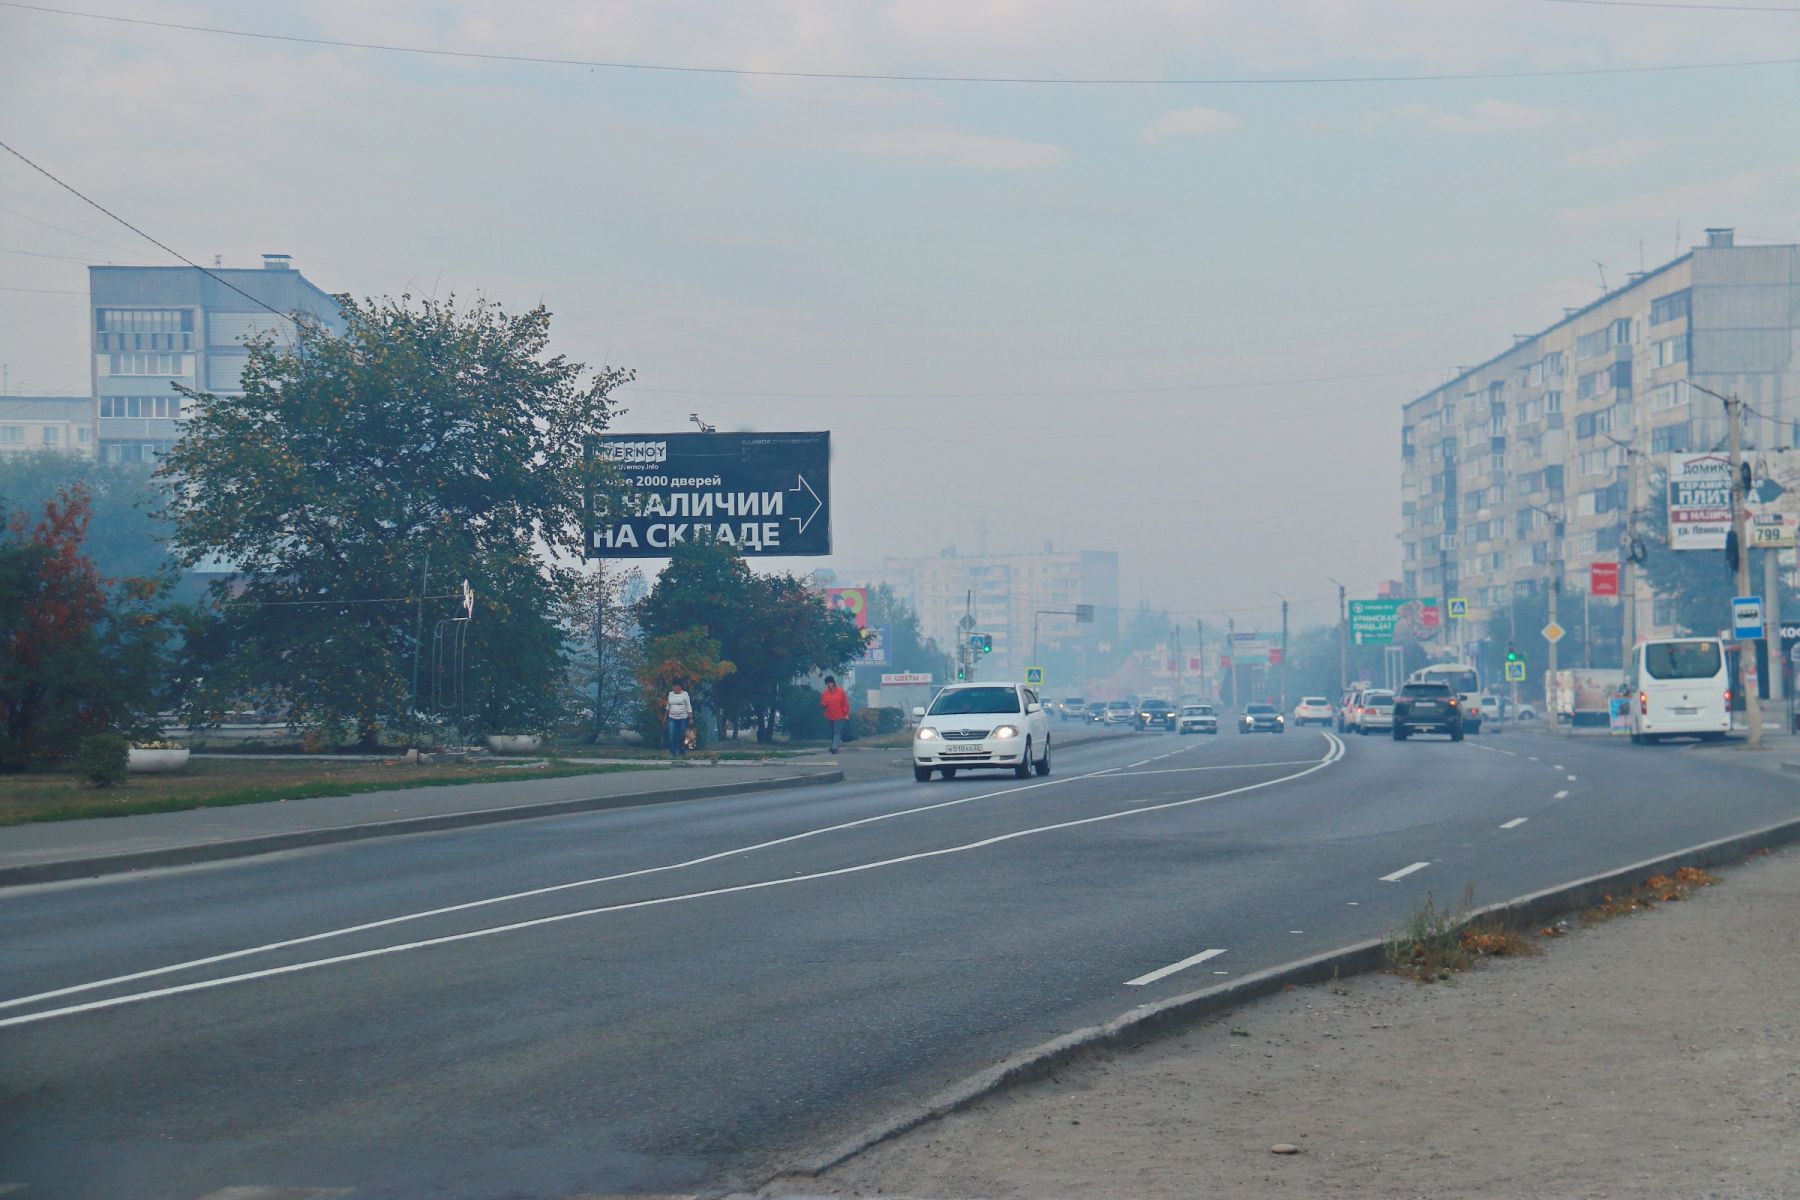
<point>683,998</point>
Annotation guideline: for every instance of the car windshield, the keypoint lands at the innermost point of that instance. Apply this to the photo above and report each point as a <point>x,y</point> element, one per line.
<point>1260,710</point>
<point>1682,660</point>
<point>1378,698</point>
<point>1074,701</point>
<point>966,701</point>
<point>1432,690</point>
<point>1318,701</point>
<point>1120,704</point>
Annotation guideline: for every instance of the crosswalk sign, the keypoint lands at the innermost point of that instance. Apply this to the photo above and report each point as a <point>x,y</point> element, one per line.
<point>1459,606</point>
<point>1034,675</point>
<point>1515,672</point>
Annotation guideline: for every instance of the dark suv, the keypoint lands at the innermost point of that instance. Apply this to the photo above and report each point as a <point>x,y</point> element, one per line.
<point>1427,708</point>
<point>1156,714</point>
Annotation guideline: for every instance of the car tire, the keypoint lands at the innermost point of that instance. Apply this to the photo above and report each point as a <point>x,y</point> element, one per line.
<point>1023,770</point>
<point>1456,735</point>
<point>1399,734</point>
<point>921,774</point>
<point>1043,765</point>
<point>1362,731</point>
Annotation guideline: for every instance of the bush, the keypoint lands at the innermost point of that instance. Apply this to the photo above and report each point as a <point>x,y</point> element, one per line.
<point>863,722</point>
<point>103,759</point>
<point>801,716</point>
<point>890,720</point>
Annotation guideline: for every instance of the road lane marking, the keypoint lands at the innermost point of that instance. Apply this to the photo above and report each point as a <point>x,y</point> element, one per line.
<point>1216,767</point>
<point>1534,758</point>
<point>1334,752</point>
<point>1562,795</point>
<point>1165,972</point>
<point>549,889</point>
<point>1403,872</point>
<point>1514,823</point>
<point>1571,779</point>
<point>1556,766</point>
<point>1494,750</point>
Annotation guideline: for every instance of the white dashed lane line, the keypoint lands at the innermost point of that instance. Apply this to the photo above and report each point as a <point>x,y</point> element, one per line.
<point>1571,779</point>
<point>1403,872</point>
<point>1562,795</point>
<point>1164,972</point>
<point>1514,823</point>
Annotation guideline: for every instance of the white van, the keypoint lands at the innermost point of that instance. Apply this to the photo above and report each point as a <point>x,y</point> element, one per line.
<point>1678,686</point>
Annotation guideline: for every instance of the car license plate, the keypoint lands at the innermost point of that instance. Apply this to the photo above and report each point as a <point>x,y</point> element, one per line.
<point>1687,712</point>
<point>952,750</point>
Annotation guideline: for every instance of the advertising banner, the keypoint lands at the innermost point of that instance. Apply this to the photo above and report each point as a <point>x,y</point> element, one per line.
<point>1384,622</point>
<point>875,648</point>
<point>1603,579</point>
<point>768,494</point>
<point>1699,501</point>
<point>853,600</point>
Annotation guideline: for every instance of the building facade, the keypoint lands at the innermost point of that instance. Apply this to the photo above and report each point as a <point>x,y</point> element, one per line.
<point>153,327</point>
<point>64,424</point>
<point>1009,594</point>
<point>1519,471</point>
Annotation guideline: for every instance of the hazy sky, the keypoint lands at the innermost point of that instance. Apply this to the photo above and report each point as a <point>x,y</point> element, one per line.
<point>1176,320</point>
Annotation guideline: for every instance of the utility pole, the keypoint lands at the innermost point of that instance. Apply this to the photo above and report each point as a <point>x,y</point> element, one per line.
<point>1281,676</point>
<point>1772,621</point>
<point>1343,642</point>
<point>1231,648</point>
<point>1200,649</point>
<point>1175,639</point>
<point>1746,653</point>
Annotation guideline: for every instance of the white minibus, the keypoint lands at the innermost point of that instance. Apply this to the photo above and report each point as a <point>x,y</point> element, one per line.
<point>1678,686</point>
<point>1464,681</point>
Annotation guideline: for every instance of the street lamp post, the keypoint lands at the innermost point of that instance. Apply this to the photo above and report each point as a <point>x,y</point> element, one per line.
<point>1343,642</point>
<point>1281,677</point>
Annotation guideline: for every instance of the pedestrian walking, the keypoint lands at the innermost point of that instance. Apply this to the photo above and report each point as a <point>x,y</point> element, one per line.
<point>836,703</point>
<point>680,711</point>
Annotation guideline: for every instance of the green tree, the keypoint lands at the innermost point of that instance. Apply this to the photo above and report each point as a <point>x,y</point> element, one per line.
<point>127,538</point>
<point>688,655</point>
<point>427,445</point>
<point>75,657</point>
<point>908,648</point>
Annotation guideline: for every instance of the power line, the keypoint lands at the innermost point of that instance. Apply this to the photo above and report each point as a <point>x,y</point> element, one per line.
<point>892,77</point>
<point>1038,393</point>
<point>1682,4</point>
<point>43,291</point>
<point>70,188</point>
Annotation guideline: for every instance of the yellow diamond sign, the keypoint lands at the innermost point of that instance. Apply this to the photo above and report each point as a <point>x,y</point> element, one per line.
<point>1553,632</point>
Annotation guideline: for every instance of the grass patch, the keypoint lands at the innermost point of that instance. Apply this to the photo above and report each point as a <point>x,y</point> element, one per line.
<point>1658,889</point>
<point>1438,940</point>
<point>218,783</point>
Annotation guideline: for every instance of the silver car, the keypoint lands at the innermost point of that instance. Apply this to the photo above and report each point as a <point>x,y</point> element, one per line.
<point>1374,711</point>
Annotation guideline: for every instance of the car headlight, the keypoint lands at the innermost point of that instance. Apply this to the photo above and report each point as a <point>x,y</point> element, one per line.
<point>926,734</point>
<point>1005,731</point>
<point>1280,720</point>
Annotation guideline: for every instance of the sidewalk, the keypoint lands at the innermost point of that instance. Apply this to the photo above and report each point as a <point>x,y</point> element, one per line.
<point>54,850</point>
<point>1654,1055</point>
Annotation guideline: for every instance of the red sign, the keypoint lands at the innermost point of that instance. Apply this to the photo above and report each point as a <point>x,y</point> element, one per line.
<point>1274,656</point>
<point>1224,662</point>
<point>1603,579</point>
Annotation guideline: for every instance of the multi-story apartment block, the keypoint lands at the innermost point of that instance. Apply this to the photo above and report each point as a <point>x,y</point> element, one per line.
<point>156,326</point>
<point>1520,468</point>
<point>61,423</point>
<point>1010,593</point>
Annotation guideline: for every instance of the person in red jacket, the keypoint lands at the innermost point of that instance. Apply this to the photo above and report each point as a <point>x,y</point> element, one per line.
<point>836,703</point>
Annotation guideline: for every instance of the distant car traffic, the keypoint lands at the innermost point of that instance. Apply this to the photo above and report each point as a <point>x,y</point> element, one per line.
<point>982,725</point>
<point>1155,714</point>
<point>1312,710</point>
<point>1197,718</point>
<point>1374,710</point>
<point>1119,712</point>
<point>1262,718</point>
<point>1096,711</point>
<point>1072,709</point>
<point>1427,708</point>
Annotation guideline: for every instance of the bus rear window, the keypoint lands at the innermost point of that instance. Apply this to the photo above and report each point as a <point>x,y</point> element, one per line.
<point>1682,660</point>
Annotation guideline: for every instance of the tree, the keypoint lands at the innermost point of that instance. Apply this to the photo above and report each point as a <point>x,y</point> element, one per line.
<point>908,648</point>
<point>128,536</point>
<point>605,651</point>
<point>75,658</point>
<point>688,655</point>
<point>428,445</point>
<point>773,628</point>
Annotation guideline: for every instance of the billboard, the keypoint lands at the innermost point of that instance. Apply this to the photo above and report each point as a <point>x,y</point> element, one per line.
<point>1384,622</point>
<point>875,648</point>
<point>853,600</point>
<point>1699,501</point>
<point>768,494</point>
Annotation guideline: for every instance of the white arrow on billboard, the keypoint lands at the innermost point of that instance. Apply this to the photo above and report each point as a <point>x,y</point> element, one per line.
<point>818,504</point>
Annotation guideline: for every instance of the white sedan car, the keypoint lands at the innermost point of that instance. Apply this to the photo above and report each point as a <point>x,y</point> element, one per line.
<point>984,725</point>
<point>1197,718</point>
<point>1313,710</point>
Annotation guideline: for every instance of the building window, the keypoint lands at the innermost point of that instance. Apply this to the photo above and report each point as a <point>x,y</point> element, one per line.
<point>1672,307</point>
<point>52,436</point>
<point>148,451</point>
<point>12,434</point>
<point>144,320</point>
<point>1669,439</point>
<point>1670,351</point>
<point>1592,345</point>
<point>1552,402</point>
<point>1589,385</point>
<point>84,435</point>
<point>141,406</point>
<point>148,364</point>
<point>1622,332</point>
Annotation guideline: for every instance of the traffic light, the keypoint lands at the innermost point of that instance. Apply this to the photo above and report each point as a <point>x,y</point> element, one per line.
<point>987,643</point>
<point>962,672</point>
<point>1512,655</point>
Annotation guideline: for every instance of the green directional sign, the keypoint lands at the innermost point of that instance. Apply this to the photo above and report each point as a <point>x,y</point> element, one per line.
<point>1384,622</point>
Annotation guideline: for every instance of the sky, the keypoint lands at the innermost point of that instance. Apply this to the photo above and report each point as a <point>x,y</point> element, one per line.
<point>1173,315</point>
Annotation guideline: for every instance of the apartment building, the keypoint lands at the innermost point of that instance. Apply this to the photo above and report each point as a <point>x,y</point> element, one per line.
<point>60,423</point>
<point>1520,468</point>
<point>1009,594</point>
<point>156,326</point>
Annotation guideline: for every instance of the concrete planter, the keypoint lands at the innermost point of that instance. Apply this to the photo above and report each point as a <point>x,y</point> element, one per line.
<point>156,762</point>
<point>514,743</point>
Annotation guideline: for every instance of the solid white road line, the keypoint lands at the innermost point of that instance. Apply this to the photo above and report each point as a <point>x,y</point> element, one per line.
<point>1217,767</point>
<point>1514,823</point>
<point>1403,872</point>
<point>1494,749</point>
<point>1562,795</point>
<point>1333,753</point>
<point>1165,972</point>
<point>550,889</point>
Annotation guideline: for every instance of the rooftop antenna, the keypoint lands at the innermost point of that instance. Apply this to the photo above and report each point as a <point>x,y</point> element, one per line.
<point>1602,267</point>
<point>702,425</point>
<point>218,260</point>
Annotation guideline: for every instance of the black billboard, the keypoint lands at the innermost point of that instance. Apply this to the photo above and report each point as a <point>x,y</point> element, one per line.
<point>768,494</point>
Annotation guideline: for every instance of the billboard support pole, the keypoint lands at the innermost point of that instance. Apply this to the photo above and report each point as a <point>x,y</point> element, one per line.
<point>1772,620</point>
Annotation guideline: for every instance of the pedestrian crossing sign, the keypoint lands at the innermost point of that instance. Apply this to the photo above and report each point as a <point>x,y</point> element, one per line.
<point>1515,672</point>
<point>1034,675</point>
<point>1459,606</point>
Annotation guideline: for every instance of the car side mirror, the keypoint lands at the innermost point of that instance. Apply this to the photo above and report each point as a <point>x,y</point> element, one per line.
<point>1031,708</point>
<point>918,711</point>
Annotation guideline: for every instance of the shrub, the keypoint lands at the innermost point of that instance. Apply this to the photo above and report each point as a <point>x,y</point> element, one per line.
<point>103,759</point>
<point>863,722</point>
<point>890,720</point>
<point>801,715</point>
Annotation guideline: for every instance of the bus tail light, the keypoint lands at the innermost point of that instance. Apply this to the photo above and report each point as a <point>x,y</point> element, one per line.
<point>1644,704</point>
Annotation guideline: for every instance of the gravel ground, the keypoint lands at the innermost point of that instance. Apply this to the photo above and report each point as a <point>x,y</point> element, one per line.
<point>1654,1055</point>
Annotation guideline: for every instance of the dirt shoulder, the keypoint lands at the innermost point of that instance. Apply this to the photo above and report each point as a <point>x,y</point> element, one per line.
<point>1654,1055</point>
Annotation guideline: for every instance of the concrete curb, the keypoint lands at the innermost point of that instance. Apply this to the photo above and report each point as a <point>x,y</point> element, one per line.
<point>175,856</point>
<point>1182,1012</point>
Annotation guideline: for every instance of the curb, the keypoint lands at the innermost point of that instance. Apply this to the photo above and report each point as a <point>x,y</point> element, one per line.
<point>1181,1012</point>
<point>175,856</point>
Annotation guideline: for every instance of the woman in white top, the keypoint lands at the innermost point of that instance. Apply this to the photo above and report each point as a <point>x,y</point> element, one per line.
<point>680,708</point>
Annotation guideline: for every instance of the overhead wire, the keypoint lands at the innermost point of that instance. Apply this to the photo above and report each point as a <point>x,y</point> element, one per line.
<point>898,77</point>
